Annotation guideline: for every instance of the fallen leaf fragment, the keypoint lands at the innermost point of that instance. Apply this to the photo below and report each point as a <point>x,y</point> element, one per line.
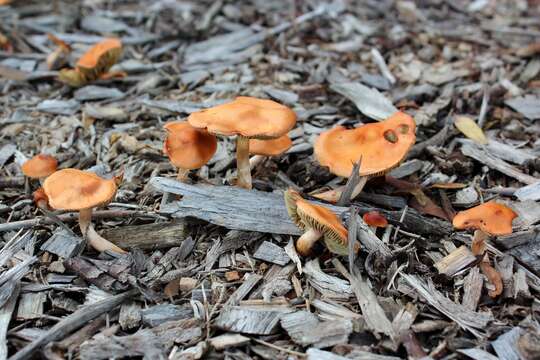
<point>470,129</point>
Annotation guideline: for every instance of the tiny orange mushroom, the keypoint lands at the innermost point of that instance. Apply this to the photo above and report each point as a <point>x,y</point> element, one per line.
<point>247,118</point>
<point>375,218</point>
<point>72,189</point>
<point>317,221</point>
<point>263,148</point>
<point>93,64</point>
<point>40,166</point>
<point>187,147</point>
<point>379,146</point>
<point>490,217</point>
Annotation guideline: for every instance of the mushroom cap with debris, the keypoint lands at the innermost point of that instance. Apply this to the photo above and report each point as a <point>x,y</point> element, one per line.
<point>375,218</point>
<point>72,189</point>
<point>491,217</point>
<point>188,147</point>
<point>100,57</point>
<point>39,166</point>
<point>246,116</point>
<point>381,146</point>
<point>271,147</point>
<point>307,215</point>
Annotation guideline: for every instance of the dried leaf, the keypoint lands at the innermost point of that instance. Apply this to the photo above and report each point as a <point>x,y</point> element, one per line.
<point>470,129</point>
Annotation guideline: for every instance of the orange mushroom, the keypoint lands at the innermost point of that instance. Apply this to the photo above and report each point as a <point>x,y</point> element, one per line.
<point>317,221</point>
<point>491,217</point>
<point>72,189</point>
<point>263,148</point>
<point>375,219</point>
<point>40,166</point>
<point>93,64</point>
<point>380,146</point>
<point>247,118</point>
<point>187,147</point>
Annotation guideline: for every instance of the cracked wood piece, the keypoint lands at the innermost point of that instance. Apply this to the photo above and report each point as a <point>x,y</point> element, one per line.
<point>506,345</point>
<point>148,236</point>
<point>477,354</point>
<point>272,253</point>
<point>226,341</point>
<point>524,246</point>
<point>469,320</point>
<point>329,286</point>
<point>368,239</point>
<point>521,288</point>
<point>72,322</point>
<point>243,290</point>
<point>472,289</point>
<point>6,312</point>
<point>480,154</point>
<point>275,272</point>
<point>252,210</point>
<point>528,192</point>
<point>31,305</point>
<point>505,267</point>
<point>331,310</point>
<point>456,261</point>
<point>159,314</point>
<point>404,319</point>
<point>64,244</point>
<point>255,320</point>
<point>305,329</point>
<point>316,354</point>
<point>142,343</point>
<point>130,315</point>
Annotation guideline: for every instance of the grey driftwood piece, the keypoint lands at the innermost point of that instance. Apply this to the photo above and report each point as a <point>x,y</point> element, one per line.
<point>456,261</point>
<point>255,320</point>
<point>528,192</point>
<point>524,246</point>
<point>272,253</point>
<point>506,345</point>
<point>243,290</point>
<point>130,315</point>
<point>305,329</point>
<point>252,210</point>
<point>317,354</point>
<point>472,289</point>
<point>6,312</point>
<point>329,286</point>
<point>64,244</point>
<point>148,236</point>
<point>31,305</point>
<point>143,343</point>
<point>72,322</point>
<point>226,341</point>
<point>158,314</point>
<point>369,101</point>
<point>469,320</point>
<point>368,239</point>
<point>477,354</point>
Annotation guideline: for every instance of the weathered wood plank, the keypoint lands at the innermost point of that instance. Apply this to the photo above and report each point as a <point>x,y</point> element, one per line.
<point>256,320</point>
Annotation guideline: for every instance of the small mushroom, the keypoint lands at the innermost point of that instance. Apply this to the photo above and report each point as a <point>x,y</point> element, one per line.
<point>491,217</point>
<point>93,64</point>
<point>72,189</point>
<point>39,167</point>
<point>316,221</point>
<point>380,146</point>
<point>263,148</point>
<point>375,219</point>
<point>187,147</point>
<point>40,198</point>
<point>247,118</point>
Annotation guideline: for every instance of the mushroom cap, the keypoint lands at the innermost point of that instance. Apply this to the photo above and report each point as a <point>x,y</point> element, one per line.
<point>381,145</point>
<point>322,219</point>
<point>101,56</point>
<point>375,218</point>
<point>72,189</point>
<point>39,195</point>
<point>271,147</point>
<point>491,217</point>
<point>39,166</point>
<point>246,116</point>
<point>188,147</point>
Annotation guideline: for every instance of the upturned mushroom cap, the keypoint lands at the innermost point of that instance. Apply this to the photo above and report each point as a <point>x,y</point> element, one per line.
<point>72,189</point>
<point>103,55</point>
<point>188,147</point>
<point>491,217</point>
<point>374,218</point>
<point>382,146</point>
<point>246,116</point>
<point>272,147</point>
<point>39,166</point>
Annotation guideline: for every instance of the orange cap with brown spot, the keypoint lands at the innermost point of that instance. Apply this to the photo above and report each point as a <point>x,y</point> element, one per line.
<point>491,217</point>
<point>188,147</point>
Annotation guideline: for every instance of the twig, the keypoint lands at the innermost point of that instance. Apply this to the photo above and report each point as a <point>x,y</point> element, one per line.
<point>352,234</point>
<point>351,184</point>
<point>292,352</point>
<point>484,106</point>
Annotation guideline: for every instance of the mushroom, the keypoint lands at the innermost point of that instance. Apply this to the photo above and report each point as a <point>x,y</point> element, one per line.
<point>263,148</point>
<point>490,218</point>
<point>380,146</point>
<point>188,148</point>
<point>375,219</point>
<point>316,221</point>
<point>93,64</point>
<point>248,118</point>
<point>72,189</point>
<point>39,167</point>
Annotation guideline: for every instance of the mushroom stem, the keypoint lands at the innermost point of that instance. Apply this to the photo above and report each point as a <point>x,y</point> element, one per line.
<point>305,243</point>
<point>332,196</point>
<point>183,175</point>
<point>242,162</point>
<point>256,160</point>
<point>94,239</point>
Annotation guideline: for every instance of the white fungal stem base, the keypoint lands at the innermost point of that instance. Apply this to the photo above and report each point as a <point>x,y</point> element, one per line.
<point>94,239</point>
<point>255,161</point>
<point>332,196</point>
<point>183,175</point>
<point>305,243</point>
<point>242,162</point>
